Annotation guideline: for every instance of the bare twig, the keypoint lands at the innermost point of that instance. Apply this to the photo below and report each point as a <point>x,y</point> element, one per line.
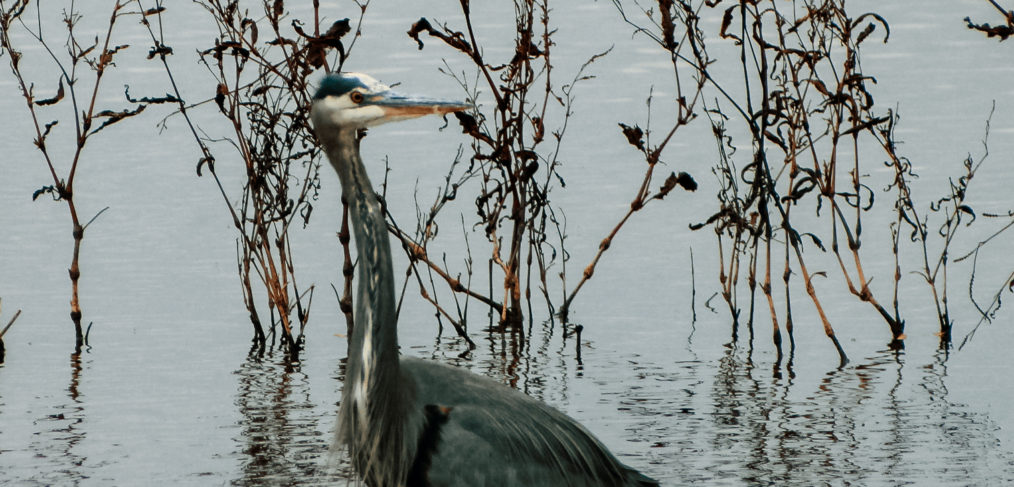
<point>97,57</point>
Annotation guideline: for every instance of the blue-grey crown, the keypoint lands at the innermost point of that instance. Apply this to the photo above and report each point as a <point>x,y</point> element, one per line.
<point>338,84</point>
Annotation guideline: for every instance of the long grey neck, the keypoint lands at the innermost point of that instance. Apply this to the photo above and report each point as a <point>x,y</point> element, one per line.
<point>372,418</point>
<point>373,350</point>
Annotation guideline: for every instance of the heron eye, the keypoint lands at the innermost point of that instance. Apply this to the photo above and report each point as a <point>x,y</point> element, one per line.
<point>356,97</point>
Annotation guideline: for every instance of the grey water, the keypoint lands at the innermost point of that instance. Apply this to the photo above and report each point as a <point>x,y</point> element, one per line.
<point>167,395</point>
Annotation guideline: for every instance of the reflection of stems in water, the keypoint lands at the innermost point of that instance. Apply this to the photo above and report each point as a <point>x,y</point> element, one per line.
<point>577,342</point>
<point>898,426</point>
<point>77,408</point>
<point>871,423</point>
<point>65,436</point>
<point>693,289</point>
<point>280,426</point>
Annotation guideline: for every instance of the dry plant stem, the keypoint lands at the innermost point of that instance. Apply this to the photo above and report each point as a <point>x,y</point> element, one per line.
<point>458,327</point>
<point>803,92</point>
<point>986,313</point>
<point>863,292</point>
<point>159,48</point>
<point>63,189</point>
<point>828,330</point>
<point>9,323</point>
<point>635,205</point>
<point>752,283</point>
<point>643,195</point>
<point>417,253</point>
<point>827,187</point>
<point>263,92</point>
<point>844,82</point>
<point>776,334</point>
<point>515,175</point>
<point>786,280</point>
<point>954,209</point>
<point>243,261</point>
<point>727,278</point>
<point>907,212</point>
<point>1000,9</point>
<point>789,110</point>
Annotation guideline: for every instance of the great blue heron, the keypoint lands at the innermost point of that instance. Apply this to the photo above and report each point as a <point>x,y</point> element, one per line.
<point>407,421</point>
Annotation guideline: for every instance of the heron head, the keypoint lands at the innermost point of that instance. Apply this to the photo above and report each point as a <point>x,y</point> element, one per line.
<point>356,100</point>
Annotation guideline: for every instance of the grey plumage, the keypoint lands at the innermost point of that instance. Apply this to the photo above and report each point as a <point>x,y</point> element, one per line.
<point>407,421</point>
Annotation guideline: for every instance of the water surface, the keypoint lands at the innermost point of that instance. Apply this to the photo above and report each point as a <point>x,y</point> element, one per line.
<point>167,394</point>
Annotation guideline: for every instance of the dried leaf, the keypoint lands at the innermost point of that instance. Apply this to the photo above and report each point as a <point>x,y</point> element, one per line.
<point>45,190</point>
<point>668,28</point>
<point>260,90</point>
<point>726,22</point>
<point>147,99</point>
<point>419,27</point>
<point>865,125</point>
<point>113,117</point>
<point>220,92</point>
<point>635,136</point>
<point>252,26</point>
<point>686,181</point>
<point>282,41</point>
<point>52,101</point>
<point>682,180</point>
<point>866,32</point>
<point>453,39</point>
<point>869,29</point>
<point>160,50</point>
<point>1001,31</point>
<point>210,161</point>
<point>471,127</point>
<point>967,209</point>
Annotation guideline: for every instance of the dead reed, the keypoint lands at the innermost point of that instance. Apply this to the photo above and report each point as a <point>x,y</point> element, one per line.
<point>813,131</point>
<point>513,160</point>
<point>80,63</point>
<point>3,332</point>
<point>795,128</point>
<point>263,61</point>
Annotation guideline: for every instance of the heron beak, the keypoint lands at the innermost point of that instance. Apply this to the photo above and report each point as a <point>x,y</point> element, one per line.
<point>399,107</point>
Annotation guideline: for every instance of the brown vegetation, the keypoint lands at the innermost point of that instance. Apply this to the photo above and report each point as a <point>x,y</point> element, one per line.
<point>795,129</point>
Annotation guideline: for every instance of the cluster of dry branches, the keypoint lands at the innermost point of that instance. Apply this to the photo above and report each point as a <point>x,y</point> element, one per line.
<point>799,98</point>
<point>515,160</point>
<point>263,62</point>
<point>813,131</point>
<point>262,91</point>
<point>515,174</point>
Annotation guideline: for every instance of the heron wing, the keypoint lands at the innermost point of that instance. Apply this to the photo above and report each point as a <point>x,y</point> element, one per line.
<point>481,432</point>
